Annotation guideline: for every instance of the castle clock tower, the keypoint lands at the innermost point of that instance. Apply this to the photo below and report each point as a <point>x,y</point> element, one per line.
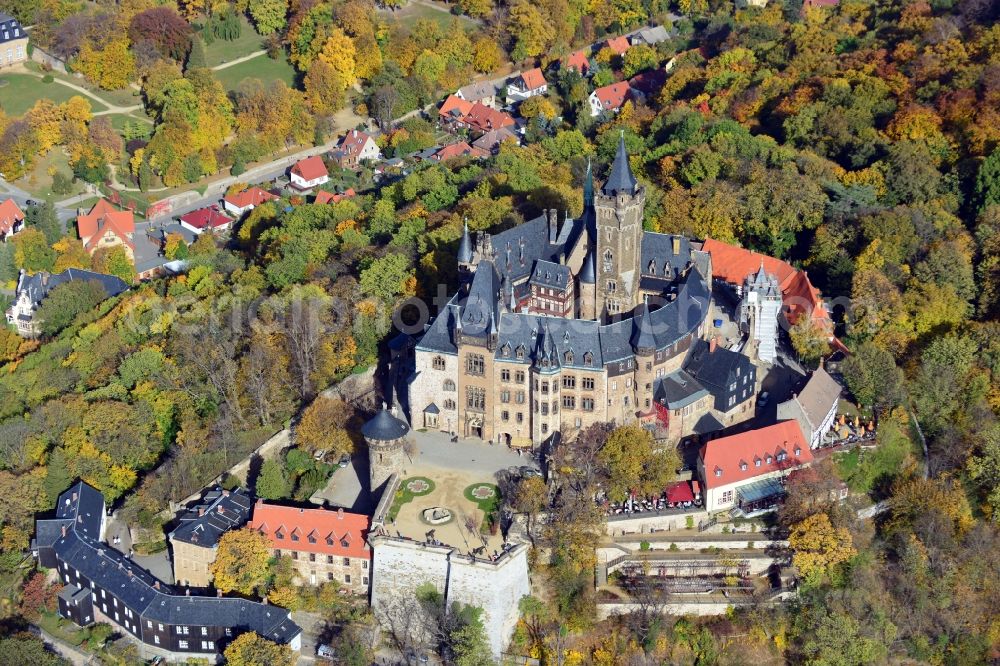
<point>618,210</point>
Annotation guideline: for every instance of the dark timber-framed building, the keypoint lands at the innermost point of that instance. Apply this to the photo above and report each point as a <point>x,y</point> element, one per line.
<point>102,585</point>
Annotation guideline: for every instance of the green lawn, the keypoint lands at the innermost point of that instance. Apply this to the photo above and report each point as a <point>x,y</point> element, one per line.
<point>23,90</point>
<point>872,471</point>
<point>221,51</point>
<point>39,182</point>
<point>118,120</point>
<point>261,67</point>
<point>411,13</point>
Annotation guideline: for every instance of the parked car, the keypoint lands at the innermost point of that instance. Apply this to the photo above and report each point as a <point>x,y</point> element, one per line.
<point>345,460</point>
<point>325,652</point>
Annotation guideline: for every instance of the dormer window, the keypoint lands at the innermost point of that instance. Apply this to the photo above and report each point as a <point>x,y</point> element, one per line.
<point>329,539</point>
<point>279,533</point>
<point>312,537</point>
<point>295,535</point>
<point>782,455</point>
<point>769,460</point>
<point>506,350</point>
<point>743,466</point>
<point>718,471</point>
<point>798,451</point>
<point>588,359</point>
<point>569,357</point>
<point>652,267</point>
<point>756,462</point>
<point>344,542</point>
<point>519,352</point>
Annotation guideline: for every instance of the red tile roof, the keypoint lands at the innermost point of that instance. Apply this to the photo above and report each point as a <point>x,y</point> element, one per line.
<point>731,454</point>
<point>353,142</point>
<point>310,168</point>
<point>102,219</point>
<point>324,197</point>
<point>10,215</point>
<point>455,107</point>
<point>253,196</point>
<point>457,150</point>
<point>614,95</point>
<point>619,44</point>
<point>321,531</point>
<point>484,119</point>
<point>577,60</point>
<point>209,217</point>
<point>532,79</point>
<point>733,264</point>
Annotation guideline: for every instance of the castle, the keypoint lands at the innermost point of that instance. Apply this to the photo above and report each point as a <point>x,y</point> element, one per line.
<point>559,323</point>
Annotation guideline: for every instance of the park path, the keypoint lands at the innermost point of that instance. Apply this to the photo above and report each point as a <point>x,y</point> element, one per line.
<point>112,108</point>
<point>249,56</point>
<point>65,650</point>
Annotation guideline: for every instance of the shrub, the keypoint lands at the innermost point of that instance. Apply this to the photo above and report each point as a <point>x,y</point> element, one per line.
<point>643,545</point>
<point>48,78</point>
<point>673,546</point>
<point>689,522</point>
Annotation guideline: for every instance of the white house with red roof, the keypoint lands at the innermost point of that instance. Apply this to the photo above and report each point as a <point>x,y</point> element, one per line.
<point>746,472</point>
<point>247,200</point>
<point>11,219</point>
<point>209,218</point>
<point>618,44</point>
<point>309,173</point>
<point>105,226</point>
<point>527,84</point>
<point>609,98</point>
<point>354,148</point>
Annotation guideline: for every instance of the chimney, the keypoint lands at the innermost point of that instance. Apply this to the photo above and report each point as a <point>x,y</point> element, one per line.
<point>187,592</point>
<point>218,593</point>
<point>63,529</point>
<point>222,510</point>
<point>201,511</point>
<point>75,496</point>
<point>712,344</point>
<point>553,225</point>
<point>340,514</point>
<point>677,245</point>
<point>225,493</point>
<point>156,585</point>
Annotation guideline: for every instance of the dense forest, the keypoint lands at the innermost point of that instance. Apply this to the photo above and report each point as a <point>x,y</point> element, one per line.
<point>861,142</point>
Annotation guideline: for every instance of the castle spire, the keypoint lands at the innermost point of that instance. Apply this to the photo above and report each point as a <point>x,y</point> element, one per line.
<point>621,178</point>
<point>465,246</point>
<point>588,187</point>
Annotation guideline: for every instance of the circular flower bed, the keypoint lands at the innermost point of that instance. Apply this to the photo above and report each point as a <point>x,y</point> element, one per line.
<point>418,486</point>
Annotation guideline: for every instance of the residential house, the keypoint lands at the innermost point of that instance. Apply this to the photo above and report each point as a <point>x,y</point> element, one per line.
<point>105,226</point>
<point>484,119</point>
<point>354,148</point>
<point>102,585</point>
<point>648,82</point>
<point>13,41</point>
<point>483,92</point>
<point>324,197</point>
<point>745,472</point>
<point>729,376</point>
<point>815,407</point>
<point>609,99</point>
<point>490,141</point>
<point>527,84</point>
<point>11,219</point>
<point>618,44</point>
<point>324,545</point>
<point>309,173</point>
<point>245,201</point>
<point>813,4</point>
<point>194,543</point>
<point>578,60</point>
<point>209,218</point>
<point>453,110</point>
<point>457,149</point>
<point>32,290</point>
<point>650,36</point>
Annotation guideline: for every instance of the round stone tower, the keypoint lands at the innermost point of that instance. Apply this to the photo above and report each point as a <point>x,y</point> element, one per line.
<point>386,436</point>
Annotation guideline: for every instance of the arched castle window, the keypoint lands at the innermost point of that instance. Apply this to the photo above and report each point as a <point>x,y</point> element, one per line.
<point>438,363</point>
<point>449,404</point>
<point>449,385</point>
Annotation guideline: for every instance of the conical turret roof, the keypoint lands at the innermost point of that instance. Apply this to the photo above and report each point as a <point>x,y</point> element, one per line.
<point>621,178</point>
<point>384,427</point>
<point>588,273</point>
<point>465,246</point>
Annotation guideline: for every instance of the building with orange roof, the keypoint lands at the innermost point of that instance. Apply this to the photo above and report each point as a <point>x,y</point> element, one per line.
<point>483,119</point>
<point>105,226</point>
<point>11,219</point>
<point>733,265</point>
<point>324,545</point>
<point>527,84</point>
<point>618,44</point>
<point>745,472</point>
<point>577,60</point>
<point>324,197</point>
<point>458,149</point>
<point>309,173</point>
<point>454,109</point>
<point>247,200</point>
<point>609,98</point>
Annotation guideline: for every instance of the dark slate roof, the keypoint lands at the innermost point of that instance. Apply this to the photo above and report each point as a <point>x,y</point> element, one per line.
<point>575,336</point>
<point>432,409</point>
<point>219,511</point>
<point>548,274</point>
<point>440,335</point>
<point>481,307</point>
<point>587,273</point>
<point>659,249</point>
<point>517,249</point>
<point>72,594</point>
<point>142,592</point>
<point>465,246</point>
<point>707,424</point>
<point>384,427</point>
<point>621,178</point>
<point>716,369</point>
<point>48,531</point>
<point>642,328</point>
<point>677,390</point>
<point>39,285</point>
<point>10,29</point>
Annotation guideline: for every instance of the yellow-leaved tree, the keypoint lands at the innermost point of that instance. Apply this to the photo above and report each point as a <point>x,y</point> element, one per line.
<point>251,649</point>
<point>819,546</point>
<point>241,564</point>
<point>322,428</point>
